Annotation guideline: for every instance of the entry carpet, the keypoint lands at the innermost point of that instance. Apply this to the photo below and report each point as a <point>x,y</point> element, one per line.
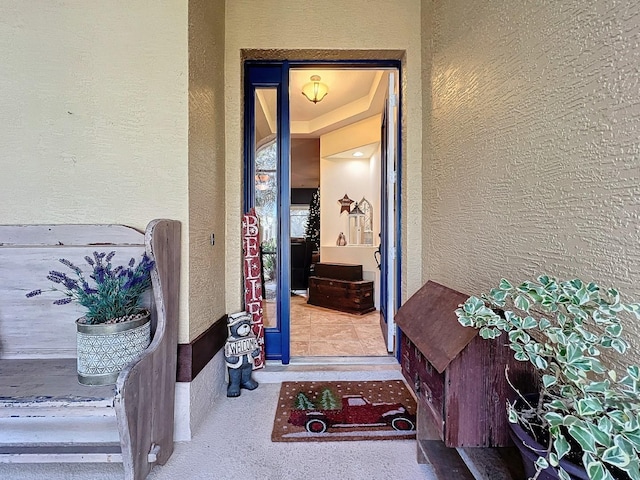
<point>344,410</point>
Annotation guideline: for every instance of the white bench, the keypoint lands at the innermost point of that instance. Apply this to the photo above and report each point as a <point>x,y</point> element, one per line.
<point>45,414</point>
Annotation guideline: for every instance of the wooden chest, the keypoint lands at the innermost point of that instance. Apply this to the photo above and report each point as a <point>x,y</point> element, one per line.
<point>338,271</point>
<point>458,377</point>
<point>344,295</point>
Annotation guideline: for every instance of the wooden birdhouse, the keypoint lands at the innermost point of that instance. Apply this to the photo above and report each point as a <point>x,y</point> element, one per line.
<point>458,377</point>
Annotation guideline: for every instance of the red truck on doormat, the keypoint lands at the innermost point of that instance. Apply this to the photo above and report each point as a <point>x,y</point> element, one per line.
<point>356,411</point>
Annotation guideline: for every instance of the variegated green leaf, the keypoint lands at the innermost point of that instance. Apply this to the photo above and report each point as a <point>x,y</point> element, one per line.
<point>505,285</point>
<point>614,330</point>
<point>549,380</point>
<point>634,438</point>
<point>529,322</point>
<point>522,303</point>
<point>544,280</point>
<point>521,356</point>
<point>605,424</point>
<point>472,305</point>
<point>588,406</point>
<point>618,417</point>
<point>569,420</point>
<point>561,446</point>
<point>498,295</point>
<point>578,312</point>
<point>554,418</point>
<point>619,345</point>
<point>616,456</point>
<point>597,387</point>
<point>617,307</point>
<point>583,437</point>
<point>600,436</point>
<point>633,469</point>
<point>558,405</point>
<point>596,471</point>
<point>539,362</point>
<point>542,463</point>
<point>634,308</point>
<point>625,445</point>
<point>582,295</point>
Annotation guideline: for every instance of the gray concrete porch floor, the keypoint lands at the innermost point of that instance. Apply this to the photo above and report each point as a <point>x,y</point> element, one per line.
<point>234,443</point>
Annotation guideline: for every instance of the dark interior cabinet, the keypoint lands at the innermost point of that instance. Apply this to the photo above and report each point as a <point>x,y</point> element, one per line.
<point>458,377</point>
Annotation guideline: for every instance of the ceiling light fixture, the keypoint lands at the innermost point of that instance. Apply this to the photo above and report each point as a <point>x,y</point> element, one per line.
<point>315,90</point>
<point>358,154</point>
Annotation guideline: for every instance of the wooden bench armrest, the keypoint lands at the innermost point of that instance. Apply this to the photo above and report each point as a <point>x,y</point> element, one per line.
<point>145,389</point>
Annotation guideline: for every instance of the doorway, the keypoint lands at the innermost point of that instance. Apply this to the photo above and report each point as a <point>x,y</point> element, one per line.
<point>295,149</point>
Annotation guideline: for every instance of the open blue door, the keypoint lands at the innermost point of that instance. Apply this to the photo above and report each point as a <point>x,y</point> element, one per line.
<point>266,188</point>
<point>389,223</point>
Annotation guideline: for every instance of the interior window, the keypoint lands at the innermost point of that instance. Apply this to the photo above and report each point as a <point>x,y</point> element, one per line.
<point>299,218</point>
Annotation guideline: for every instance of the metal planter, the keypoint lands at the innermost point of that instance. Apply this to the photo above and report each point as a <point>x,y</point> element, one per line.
<point>105,349</point>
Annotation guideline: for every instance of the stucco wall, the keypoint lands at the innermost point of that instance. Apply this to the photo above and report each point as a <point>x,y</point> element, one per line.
<point>534,136</point>
<point>206,165</point>
<point>93,108</point>
<point>333,25</point>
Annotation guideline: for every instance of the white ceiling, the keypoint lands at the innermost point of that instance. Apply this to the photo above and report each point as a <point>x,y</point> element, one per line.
<point>354,94</point>
<point>345,86</point>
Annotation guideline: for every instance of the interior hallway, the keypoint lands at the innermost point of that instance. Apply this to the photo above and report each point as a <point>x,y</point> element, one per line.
<point>234,443</point>
<point>317,331</point>
<point>323,332</point>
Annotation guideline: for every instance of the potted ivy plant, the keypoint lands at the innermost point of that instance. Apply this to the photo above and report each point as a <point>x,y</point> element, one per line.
<point>587,409</point>
<point>116,327</point>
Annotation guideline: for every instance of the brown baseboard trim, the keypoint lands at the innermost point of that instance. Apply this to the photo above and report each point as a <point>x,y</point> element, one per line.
<point>194,356</point>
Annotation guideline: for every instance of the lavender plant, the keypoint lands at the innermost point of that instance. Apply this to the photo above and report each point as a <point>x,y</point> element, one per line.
<point>109,293</point>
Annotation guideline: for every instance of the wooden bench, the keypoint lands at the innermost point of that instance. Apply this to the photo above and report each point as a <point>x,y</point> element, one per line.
<point>45,414</point>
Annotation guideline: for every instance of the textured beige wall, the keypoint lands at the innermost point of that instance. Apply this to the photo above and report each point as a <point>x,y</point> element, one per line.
<point>93,108</point>
<point>334,25</point>
<point>534,136</point>
<point>206,165</point>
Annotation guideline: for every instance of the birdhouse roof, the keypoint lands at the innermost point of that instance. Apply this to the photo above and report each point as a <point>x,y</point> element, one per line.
<point>428,318</point>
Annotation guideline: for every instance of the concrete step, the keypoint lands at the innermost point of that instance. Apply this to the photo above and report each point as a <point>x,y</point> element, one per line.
<point>43,430</point>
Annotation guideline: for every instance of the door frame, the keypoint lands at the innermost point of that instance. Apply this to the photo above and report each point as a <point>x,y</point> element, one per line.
<point>281,334</point>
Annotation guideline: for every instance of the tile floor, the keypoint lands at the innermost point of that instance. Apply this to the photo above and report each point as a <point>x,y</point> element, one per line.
<point>317,331</point>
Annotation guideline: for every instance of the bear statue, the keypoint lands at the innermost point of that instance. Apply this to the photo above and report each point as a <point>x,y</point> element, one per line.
<point>240,352</point>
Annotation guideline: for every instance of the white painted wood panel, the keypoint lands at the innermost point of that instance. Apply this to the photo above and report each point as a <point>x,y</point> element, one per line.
<point>34,327</point>
<point>58,430</point>
<point>67,235</point>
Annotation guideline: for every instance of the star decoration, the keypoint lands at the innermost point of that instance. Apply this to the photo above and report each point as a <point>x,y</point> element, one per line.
<point>345,204</point>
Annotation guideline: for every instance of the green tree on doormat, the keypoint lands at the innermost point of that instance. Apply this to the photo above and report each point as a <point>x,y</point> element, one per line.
<point>328,400</point>
<point>302,402</point>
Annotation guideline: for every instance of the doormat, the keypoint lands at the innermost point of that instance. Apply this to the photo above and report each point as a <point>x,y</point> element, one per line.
<point>336,411</point>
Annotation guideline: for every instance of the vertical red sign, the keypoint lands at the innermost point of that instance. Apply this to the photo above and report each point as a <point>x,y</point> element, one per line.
<point>252,267</point>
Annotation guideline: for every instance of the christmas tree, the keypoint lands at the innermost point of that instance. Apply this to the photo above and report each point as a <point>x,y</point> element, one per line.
<point>312,231</point>
<point>328,401</point>
<point>302,402</point>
